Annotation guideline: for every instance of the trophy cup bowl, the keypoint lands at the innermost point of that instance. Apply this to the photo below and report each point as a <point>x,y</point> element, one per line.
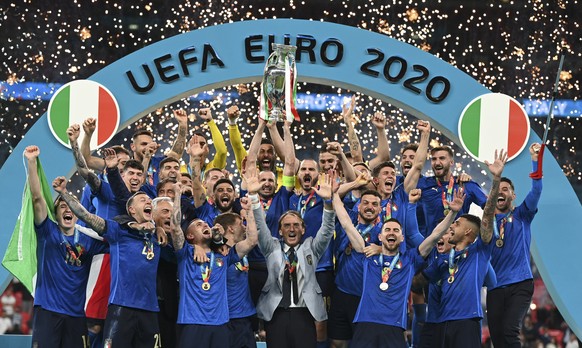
<point>274,79</point>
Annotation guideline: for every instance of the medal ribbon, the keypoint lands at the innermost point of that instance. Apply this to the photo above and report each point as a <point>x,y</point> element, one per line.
<point>73,255</point>
<point>291,266</point>
<point>302,206</point>
<point>387,270</point>
<point>501,231</point>
<point>205,270</point>
<point>364,232</point>
<point>147,243</point>
<point>267,204</point>
<point>243,265</point>
<point>448,193</point>
<point>453,260</point>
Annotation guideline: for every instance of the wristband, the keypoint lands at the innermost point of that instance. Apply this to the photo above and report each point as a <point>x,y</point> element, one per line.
<point>232,122</point>
<point>288,181</point>
<point>254,198</point>
<point>255,206</point>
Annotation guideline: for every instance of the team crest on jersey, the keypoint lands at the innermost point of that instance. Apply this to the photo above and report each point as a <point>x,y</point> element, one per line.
<point>219,262</point>
<point>398,265</point>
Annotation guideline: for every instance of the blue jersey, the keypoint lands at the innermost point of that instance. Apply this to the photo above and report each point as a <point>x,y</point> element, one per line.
<point>61,282</point>
<point>106,204</point>
<point>432,199</point>
<point>240,303</point>
<point>461,298</point>
<point>350,265</point>
<point>394,206</point>
<point>388,307</point>
<point>511,261</point>
<point>198,306</point>
<point>273,208</point>
<point>133,276</point>
<point>311,209</point>
<point>208,212</point>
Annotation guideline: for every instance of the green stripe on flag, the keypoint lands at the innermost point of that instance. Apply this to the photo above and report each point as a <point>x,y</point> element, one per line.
<point>60,113</point>
<point>20,257</point>
<point>470,127</point>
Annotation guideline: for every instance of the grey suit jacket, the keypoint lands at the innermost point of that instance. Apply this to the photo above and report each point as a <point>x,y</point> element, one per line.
<point>308,256</point>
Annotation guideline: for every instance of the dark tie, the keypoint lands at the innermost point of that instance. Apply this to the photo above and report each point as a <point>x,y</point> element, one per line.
<point>288,279</point>
<point>293,276</point>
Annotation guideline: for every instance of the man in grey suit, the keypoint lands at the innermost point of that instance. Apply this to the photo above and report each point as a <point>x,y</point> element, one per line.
<point>291,299</point>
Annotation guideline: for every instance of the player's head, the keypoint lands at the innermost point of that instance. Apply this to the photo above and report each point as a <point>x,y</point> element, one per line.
<point>291,228</point>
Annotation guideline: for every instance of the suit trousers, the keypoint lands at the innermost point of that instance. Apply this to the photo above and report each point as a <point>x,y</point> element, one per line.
<point>291,328</point>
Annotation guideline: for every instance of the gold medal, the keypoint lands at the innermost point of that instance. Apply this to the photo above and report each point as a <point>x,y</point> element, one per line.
<point>446,212</point>
<point>383,286</point>
<point>150,255</point>
<point>205,286</point>
<point>451,279</point>
<point>499,243</point>
<point>348,250</point>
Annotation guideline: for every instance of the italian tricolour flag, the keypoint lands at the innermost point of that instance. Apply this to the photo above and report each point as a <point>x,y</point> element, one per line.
<point>493,121</point>
<point>81,99</point>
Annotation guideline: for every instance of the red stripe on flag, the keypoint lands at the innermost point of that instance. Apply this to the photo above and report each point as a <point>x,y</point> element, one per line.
<point>517,129</point>
<point>97,304</point>
<point>107,116</point>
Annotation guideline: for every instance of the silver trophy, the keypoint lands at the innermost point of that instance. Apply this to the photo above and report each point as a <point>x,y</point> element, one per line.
<point>274,81</point>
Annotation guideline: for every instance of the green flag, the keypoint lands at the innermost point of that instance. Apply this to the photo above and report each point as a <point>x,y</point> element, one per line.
<point>20,257</point>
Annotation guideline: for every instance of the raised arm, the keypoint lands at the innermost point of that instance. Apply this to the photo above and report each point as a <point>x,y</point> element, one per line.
<point>233,114</point>
<point>177,233</point>
<point>533,197</point>
<point>255,144</point>
<point>94,182</point>
<point>198,194</point>
<point>335,148</point>
<point>180,142</point>
<point>93,162</point>
<point>443,227</point>
<point>266,242</point>
<point>278,142</point>
<point>244,246</point>
<point>290,159</point>
<point>357,241</point>
<point>219,160</point>
<point>383,151</point>
<point>411,179</point>
<point>328,186</point>
<point>488,219</point>
<point>412,233</point>
<point>40,210</point>
<point>355,147</point>
<point>91,220</point>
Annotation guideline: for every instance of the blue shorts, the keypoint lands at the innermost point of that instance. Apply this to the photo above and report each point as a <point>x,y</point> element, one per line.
<point>52,329</point>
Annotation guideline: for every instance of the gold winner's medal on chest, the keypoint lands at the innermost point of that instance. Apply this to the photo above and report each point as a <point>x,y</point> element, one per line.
<point>348,250</point>
<point>499,243</point>
<point>150,255</point>
<point>383,286</point>
<point>451,279</point>
<point>446,212</point>
<point>205,286</point>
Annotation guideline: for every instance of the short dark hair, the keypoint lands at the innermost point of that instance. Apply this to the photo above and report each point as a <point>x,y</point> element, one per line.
<point>210,170</point>
<point>507,180</point>
<point>266,141</point>
<point>379,167</point>
<point>371,192</point>
<point>226,219</point>
<point>413,147</point>
<point>392,220</point>
<point>120,149</point>
<point>142,132</point>
<point>443,148</point>
<point>130,200</point>
<point>163,182</point>
<point>291,212</point>
<point>222,181</point>
<point>135,164</point>
<point>473,219</point>
<point>186,174</point>
<point>168,159</point>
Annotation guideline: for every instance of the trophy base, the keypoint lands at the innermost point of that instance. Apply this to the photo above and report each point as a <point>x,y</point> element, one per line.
<point>277,115</point>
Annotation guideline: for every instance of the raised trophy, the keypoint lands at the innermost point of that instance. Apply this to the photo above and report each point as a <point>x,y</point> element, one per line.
<point>278,90</point>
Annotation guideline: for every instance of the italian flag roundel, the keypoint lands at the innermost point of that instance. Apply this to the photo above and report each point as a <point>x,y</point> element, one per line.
<point>493,121</point>
<point>78,100</point>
